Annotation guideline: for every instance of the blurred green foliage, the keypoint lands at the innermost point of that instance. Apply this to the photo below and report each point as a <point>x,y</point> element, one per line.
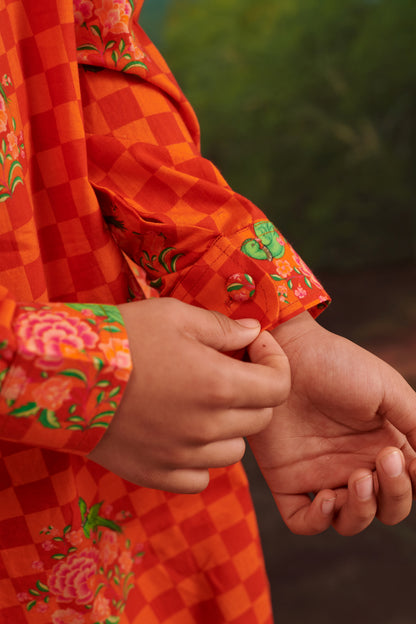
<point>309,108</point>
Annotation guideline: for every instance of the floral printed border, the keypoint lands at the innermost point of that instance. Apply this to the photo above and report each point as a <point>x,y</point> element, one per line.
<point>12,149</point>
<point>86,573</point>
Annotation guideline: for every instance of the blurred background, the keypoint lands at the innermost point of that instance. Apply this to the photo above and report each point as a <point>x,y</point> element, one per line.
<point>308,107</point>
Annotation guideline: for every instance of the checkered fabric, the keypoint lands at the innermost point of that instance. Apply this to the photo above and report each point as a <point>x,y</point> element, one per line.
<point>105,198</point>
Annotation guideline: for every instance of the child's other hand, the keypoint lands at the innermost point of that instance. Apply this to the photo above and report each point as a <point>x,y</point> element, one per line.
<point>188,405</point>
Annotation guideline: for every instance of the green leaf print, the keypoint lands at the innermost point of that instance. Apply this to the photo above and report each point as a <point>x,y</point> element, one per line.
<point>16,181</point>
<point>4,196</point>
<point>96,31</point>
<point>29,409</point>
<point>73,372</point>
<point>13,166</point>
<point>48,419</point>
<point>98,363</point>
<point>174,261</point>
<point>42,587</point>
<point>87,46</point>
<point>82,507</point>
<point>134,64</point>
<point>112,313</point>
<point>162,257</point>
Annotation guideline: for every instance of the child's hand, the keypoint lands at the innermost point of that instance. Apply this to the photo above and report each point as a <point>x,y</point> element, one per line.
<point>187,405</point>
<point>347,410</point>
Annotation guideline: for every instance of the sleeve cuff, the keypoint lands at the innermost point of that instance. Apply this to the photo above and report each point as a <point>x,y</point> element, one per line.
<point>254,273</point>
<point>64,375</point>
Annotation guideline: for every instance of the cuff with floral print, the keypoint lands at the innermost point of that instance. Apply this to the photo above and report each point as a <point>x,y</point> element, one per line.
<point>255,273</point>
<point>63,369</point>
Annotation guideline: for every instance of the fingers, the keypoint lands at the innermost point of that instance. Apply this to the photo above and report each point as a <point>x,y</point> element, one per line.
<point>386,493</point>
<point>262,382</point>
<point>357,506</point>
<point>304,516</point>
<point>218,331</point>
<point>394,487</point>
<point>399,402</point>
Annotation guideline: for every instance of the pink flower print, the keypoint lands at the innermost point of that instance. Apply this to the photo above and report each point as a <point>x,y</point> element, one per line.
<point>135,52</point>
<point>41,607</point>
<point>23,597</point>
<point>72,578</point>
<point>108,548</point>
<point>52,393</point>
<point>14,384</point>
<point>107,510</point>
<point>283,267</point>
<point>82,11</point>
<point>125,562</point>
<point>13,145</point>
<point>114,16</point>
<point>117,354</point>
<point>67,616</point>
<point>48,545</point>
<point>76,538</point>
<point>282,292</point>
<point>38,565</point>
<point>305,269</point>
<point>300,292</point>
<point>22,149</point>
<point>101,609</point>
<point>6,81</point>
<point>49,335</point>
<point>3,117</point>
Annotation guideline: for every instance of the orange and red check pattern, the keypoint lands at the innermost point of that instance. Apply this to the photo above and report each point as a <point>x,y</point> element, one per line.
<point>120,143</point>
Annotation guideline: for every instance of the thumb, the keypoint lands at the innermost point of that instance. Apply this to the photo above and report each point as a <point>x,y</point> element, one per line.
<point>224,334</point>
<point>265,350</point>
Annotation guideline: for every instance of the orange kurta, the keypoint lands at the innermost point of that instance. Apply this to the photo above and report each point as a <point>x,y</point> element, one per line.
<point>102,189</point>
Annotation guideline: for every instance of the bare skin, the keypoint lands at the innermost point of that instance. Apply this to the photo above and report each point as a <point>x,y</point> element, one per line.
<point>188,406</point>
<point>345,434</point>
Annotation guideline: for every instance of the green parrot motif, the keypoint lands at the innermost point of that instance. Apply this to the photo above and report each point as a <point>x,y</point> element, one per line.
<point>267,244</point>
<point>251,247</point>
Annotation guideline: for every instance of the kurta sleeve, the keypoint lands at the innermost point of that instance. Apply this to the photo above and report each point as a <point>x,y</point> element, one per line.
<point>63,368</point>
<point>168,207</point>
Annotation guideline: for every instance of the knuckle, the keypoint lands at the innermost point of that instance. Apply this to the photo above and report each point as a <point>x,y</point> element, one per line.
<point>218,390</point>
<point>223,324</point>
<point>208,432</point>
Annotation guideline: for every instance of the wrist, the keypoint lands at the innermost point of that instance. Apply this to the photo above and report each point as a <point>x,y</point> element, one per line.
<point>289,333</point>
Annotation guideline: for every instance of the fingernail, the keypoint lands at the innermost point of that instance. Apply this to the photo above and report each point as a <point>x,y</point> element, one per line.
<point>364,487</point>
<point>392,464</point>
<point>249,323</point>
<point>327,506</point>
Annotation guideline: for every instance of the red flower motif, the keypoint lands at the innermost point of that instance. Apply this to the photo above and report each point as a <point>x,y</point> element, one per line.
<point>49,335</point>
<point>114,16</point>
<point>72,578</point>
<point>52,393</point>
